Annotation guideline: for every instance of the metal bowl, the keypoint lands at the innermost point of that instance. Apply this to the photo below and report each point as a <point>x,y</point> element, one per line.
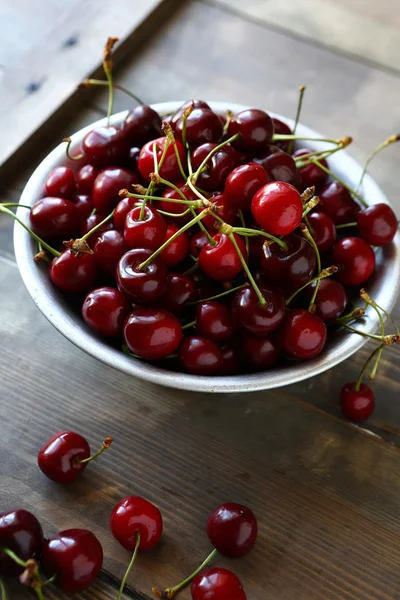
<point>383,287</point>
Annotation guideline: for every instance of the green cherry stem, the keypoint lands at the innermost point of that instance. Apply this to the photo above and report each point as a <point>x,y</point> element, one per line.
<point>157,166</point>
<point>15,205</point>
<point>389,316</point>
<point>287,137</point>
<point>3,593</point>
<point>357,313</point>
<point>339,180</point>
<point>390,140</point>
<point>68,141</point>
<point>188,325</point>
<point>169,593</point>
<point>36,237</point>
<point>344,225</point>
<point>243,224</point>
<point>130,566</point>
<point>105,445</point>
<point>204,229</point>
<point>173,215</point>
<point>96,227</point>
<point>377,351</point>
<point>230,291</point>
<point>253,232</point>
<point>211,154</point>
<point>50,580</point>
<point>387,339</point>
<point>86,83</point>
<point>324,273</point>
<point>107,66</point>
<point>127,194</point>
<point>14,557</point>
<point>376,364</point>
<point>368,300</point>
<point>302,89</point>
<point>246,269</point>
<point>309,237</point>
<point>302,161</point>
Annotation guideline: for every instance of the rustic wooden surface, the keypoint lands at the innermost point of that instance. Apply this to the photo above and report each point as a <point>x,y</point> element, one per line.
<point>326,493</point>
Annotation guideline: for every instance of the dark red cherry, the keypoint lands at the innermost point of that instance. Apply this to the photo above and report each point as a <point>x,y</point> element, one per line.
<point>180,290</point>
<point>61,183</point>
<point>108,249</point>
<point>169,169</point>
<point>255,128</point>
<point>218,166</point>
<point>302,334</point>
<point>331,299</point>
<point>132,162</point>
<point>243,182</point>
<point>106,145</point>
<point>231,358</point>
<point>249,316</point>
<point>355,259</point>
<point>221,262</point>
<point>200,356</point>
<point>148,232</point>
<point>152,333</point>
<point>141,125</point>
<point>73,274</point>
<point>292,268</point>
<point>336,201</point>
<point>206,287</point>
<point>108,183</point>
<point>282,129</point>
<point>311,174</point>
<point>55,218</point>
<point>197,242</point>
<point>189,103</point>
<point>176,207</point>
<point>279,165</point>
<point>202,126</point>
<point>261,353</point>
<point>143,286</point>
<point>123,207</point>
<point>104,311</point>
<point>217,584</point>
<point>84,205</point>
<point>222,208</point>
<point>357,405</point>
<point>377,224</point>
<point>178,249</point>
<point>323,230</point>
<point>135,515</point>
<point>75,556</point>
<point>85,179</point>
<point>214,321</point>
<point>20,532</point>
<point>59,457</point>
<point>232,529</point>
<point>90,222</point>
<point>277,207</point>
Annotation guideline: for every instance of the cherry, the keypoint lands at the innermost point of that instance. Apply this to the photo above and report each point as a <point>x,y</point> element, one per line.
<point>55,218</point>
<point>202,126</point>
<point>206,287</point>
<point>255,129</point>
<point>106,187</point>
<point>331,299</point>
<point>355,259</point>
<point>377,224</point>
<point>249,316</point>
<point>141,125</point>
<point>123,207</point>
<point>302,334</point>
<point>198,241</point>
<point>85,179</point>
<point>176,207</point>
<point>335,200</point>
<point>73,274</point>
<point>221,261</point>
<point>311,174</point>
<point>106,145</point>
<point>189,104</point>
<point>84,205</point>
<point>232,529</point>
<point>104,311</point>
<point>61,183</point>
<point>200,356</point>
<point>134,516</point>
<point>261,353</point>
<point>231,359</point>
<point>282,129</point>
<point>143,286</point>
<point>180,290</point>
<point>20,532</point>
<point>75,556</point>
<point>217,584</point>
<point>90,222</point>
<point>169,169</point>
<point>108,249</point>
<point>146,232</point>
<point>323,230</point>
<point>223,208</point>
<point>133,160</point>
<point>357,405</point>
<point>214,321</point>
<point>178,249</point>
<point>218,166</point>
<point>152,333</point>
<point>279,165</point>
<point>243,182</point>
<point>292,268</point>
<point>277,207</point>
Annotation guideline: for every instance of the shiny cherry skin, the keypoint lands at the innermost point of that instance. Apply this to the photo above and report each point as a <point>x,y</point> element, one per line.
<point>231,358</point>
<point>73,274</point>
<point>133,515</point>
<point>323,230</point>
<point>20,532</point>
<point>311,175</point>
<point>232,529</point>
<point>189,103</point>
<point>197,242</point>
<point>59,457</point>
<point>302,334</point>
<point>75,556</point>
<point>279,165</point>
<point>61,183</point>
<point>180,291</point>
<point>217,584</point>
<point>169,170</point>
<point>84,205</point>
<point>261,353</point>
<point>355,259</point>
<point>202,126</point>
<point>104,146</point>
<point>281,128</point>
<point>277,208</point>
<point>243,182</point>
<point>255,129</point>
<point>214,321</point>
<point>104,310</point>
<point>357,405</point>
<point>55,218</point>
<point>252,318</point>
<point>337,203</point>
<point>200,356</point>
<point>176,207</point>
<point>331,299</point>
<point>90,222</point>
<point>221,262</point>
<point>178,249</point>
<point>377,224</point>
<point>108,249</point>
<point>141,125</point>
<point>292,268</point>
<point>85,178</point>
<point>121,211</point>
<point>218,166</point>
<point>143,286</point>
<point>148,232</point>
<point>222,208</point>
<point>106,187</point>
<point>152,333</point>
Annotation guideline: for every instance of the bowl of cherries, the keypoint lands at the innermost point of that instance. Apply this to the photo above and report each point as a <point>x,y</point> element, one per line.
<point>209,246</point>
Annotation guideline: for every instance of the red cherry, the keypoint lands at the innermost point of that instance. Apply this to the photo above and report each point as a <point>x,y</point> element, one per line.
<point>302,334</point>
<point>292,268</point>
<point>121,211</point>
<point>61,183</point>
<point>243,182</point>
<point>141,125</point>
<point>279,165</point>
<point>202,126</point>
<point>311,174</point>
<point>178,249</point>
<point>200,356</point>
<point>73,274</point>
<point>218,167</point>
<point>20,532</point>
<point>108,183</point>
<point>91,222</point>
<point>145,286</point>
<point>85,179</point>
<point>59,457</point>
<point>108,249</point>
<point>335,201</point>
<point>198,241</point>
<point>84,205</point>
<point>255,128</point>
<point>231,359</point>
<point>55,218</point>
<point>261,353</point>
<point>221,262</point>
<point>331,299</point>
<point>223,208</point>
<point>148,232</point>
<point>277,207</point>
<point>281,128</point>
<point>357,405</point>
<point>106,145</point>
<point>180,290</point>
<point>152,333</point>
<point>189,103</point>
<point>214,321</point>
<point>135,515</point>
<point>217,584</point>
<point>232,529</point>
<point>75,556</point>
<point>323,230</point>
<point>377,224</point>
<point>355,259</point>
<point>250,317</point>
<point>176,207</point>
<point>169,170</point>
<point>104,311</point>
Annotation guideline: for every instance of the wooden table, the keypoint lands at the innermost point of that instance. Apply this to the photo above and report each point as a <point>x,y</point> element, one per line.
<point>326,493</point>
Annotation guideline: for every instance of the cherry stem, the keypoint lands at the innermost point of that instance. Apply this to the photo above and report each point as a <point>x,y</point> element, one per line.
<point>185,116</point>
<point>229,116</point>
<point>91,82</point>
<point>389,316</point>
<point>364,296</point>
<point>357,313</point>
<point>376,364</point>
<point>343,225</point>
<point>160,198</point>
<point>365,367</point>
<point>246,231</point>
<point>390,140</point>
<point>304,160</point>
<point>170,135</point>
<point>246,269</point>
<point>130,566</point>
<point>36,237</point>
<point>13,556</point>
<point>243,224</point>
<point>314,161</point>
<point>157,166</point>
<point>105,445</point>
<point>302,89</point>
<point>15,205</point>
<point>188,325</point>
<point>310,238</point>
<point>312,203</point>
<point>211,154</point>
<point>173,215</point>
<point>3,590</point>
<point>169,593</point>
<point>107,66</point>
<point>49,580</point>
<point>204,229</point>
<point>387,339</point>
<point>323,274</point>
<point>96,227</point>
<point>287,137</point>
<point>225,293</point>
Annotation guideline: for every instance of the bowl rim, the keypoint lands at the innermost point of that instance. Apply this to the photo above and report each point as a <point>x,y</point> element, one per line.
<point>50,302</point>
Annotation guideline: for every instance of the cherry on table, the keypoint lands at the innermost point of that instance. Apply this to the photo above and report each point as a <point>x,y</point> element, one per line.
<point>53,218</point>
<point>106,187</point>
<point>180,290</point>
<point>85,178</point>
<point>232,529</point>
<point>73,273</point>
<point>218,166</point>
<point>331,299</point>
<point>143,286</point>
<point>214,321</point>
<point>217,584</point>
<point>311,174</point>
<point>104,310</point>
<point>377,224</point>
<point>357,404</point>
<point>169,169</point>
<point>108,249</point>
<point>277,207</point>
<point>243,182</point>
<point>61,183</point>
<point>221,261</point>
<point>355,259</point>
<point>106,145</point>
<point>255,129</point>
<point>252,318</point>
<point>152,333</point>
<point>178,249</point>
<point>147,231</point>
<point>200,356</point>
<point>323,230</point>
<point>302,335</point>
<point>20,532</point>
<point>202,126</point>
<point>335,200</point>
<point>141,125</point>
